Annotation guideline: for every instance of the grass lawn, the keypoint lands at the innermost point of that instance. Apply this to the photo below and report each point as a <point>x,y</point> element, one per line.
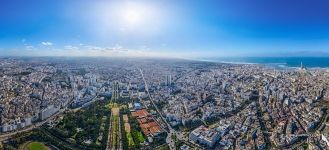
<point>140,137</point>
<point>163,147</point>
<point>37,146</point>
<point>109,105</point>
<point>131,142</point>
<point>115,127</point>
<point>112,105</point>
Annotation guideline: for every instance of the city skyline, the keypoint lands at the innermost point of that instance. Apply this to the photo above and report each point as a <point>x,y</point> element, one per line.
<point>185,29</point>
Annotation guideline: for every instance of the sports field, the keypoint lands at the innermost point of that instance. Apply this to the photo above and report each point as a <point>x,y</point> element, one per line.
<point>37,146</point>
<point>33,146</point>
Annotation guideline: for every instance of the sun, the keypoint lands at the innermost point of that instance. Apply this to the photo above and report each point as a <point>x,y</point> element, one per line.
<point>128,17</point>
<point>132,17</point>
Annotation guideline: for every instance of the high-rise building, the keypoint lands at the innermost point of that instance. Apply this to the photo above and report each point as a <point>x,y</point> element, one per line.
<point>168,80</point>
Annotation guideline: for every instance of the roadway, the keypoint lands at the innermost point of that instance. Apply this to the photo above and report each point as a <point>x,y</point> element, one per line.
<point>169,140</point>
<point>8,135</point>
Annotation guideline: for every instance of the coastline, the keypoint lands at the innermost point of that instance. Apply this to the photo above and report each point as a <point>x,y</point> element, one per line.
<point>313,63</point>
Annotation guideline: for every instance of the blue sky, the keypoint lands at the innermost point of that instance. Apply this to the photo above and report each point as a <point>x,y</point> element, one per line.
<point>185,28</point>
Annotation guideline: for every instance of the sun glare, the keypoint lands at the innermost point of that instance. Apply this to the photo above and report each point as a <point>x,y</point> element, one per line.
<point>132,16</point>
<point>128,18</point>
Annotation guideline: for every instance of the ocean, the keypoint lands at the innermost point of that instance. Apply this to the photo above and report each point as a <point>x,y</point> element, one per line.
<point>281,62</point>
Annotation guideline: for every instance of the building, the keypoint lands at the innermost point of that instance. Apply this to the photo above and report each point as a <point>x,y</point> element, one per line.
<point>205,136</point>
<point>184,147</point>
<point>9,127</point>
<point>124,94</point>
<point>325,138</point>
<point>168,80</point>
<point>137,106</point>
<point>47,112</point>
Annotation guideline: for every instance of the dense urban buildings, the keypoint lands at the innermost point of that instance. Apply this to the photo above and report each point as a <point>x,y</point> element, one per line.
<point>181,104</point>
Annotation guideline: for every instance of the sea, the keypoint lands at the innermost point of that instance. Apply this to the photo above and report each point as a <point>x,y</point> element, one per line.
<point>277,62</point>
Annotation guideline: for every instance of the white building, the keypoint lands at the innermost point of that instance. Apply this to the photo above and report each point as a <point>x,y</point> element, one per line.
<point>325,138</point>
<point>205,136</point>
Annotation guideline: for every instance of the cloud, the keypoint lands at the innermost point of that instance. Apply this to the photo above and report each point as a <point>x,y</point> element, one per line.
<point>117,47</point>
<point>29,47</point>
<point>47,43</point>
<point>70,47</point>
<point>116,50</point>
<point>120,51</point>
<point>105,50</point>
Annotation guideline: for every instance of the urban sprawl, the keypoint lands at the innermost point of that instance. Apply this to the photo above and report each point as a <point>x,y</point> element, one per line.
<point>112,103</point>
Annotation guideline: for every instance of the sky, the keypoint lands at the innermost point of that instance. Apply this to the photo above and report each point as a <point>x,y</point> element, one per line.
<point>164,28</point>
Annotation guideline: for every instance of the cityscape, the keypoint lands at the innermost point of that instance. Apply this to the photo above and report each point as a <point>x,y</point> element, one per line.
<point>111,103</point>
<point>164,75</point>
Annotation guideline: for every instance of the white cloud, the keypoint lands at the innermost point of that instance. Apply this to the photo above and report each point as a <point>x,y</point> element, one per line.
<point>70,47</point>
<point>117,47</point>
<point>119,51</point>
<point>116,50</point>
<point>47,43</point>
<point>29,47</point>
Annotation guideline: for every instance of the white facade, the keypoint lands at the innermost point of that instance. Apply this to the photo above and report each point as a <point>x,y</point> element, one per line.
<point>325,138</point>
<point>205,136</point>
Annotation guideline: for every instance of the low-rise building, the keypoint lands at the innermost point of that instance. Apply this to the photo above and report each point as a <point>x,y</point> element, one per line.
<point>205,136</point>
<point>325,138</point>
